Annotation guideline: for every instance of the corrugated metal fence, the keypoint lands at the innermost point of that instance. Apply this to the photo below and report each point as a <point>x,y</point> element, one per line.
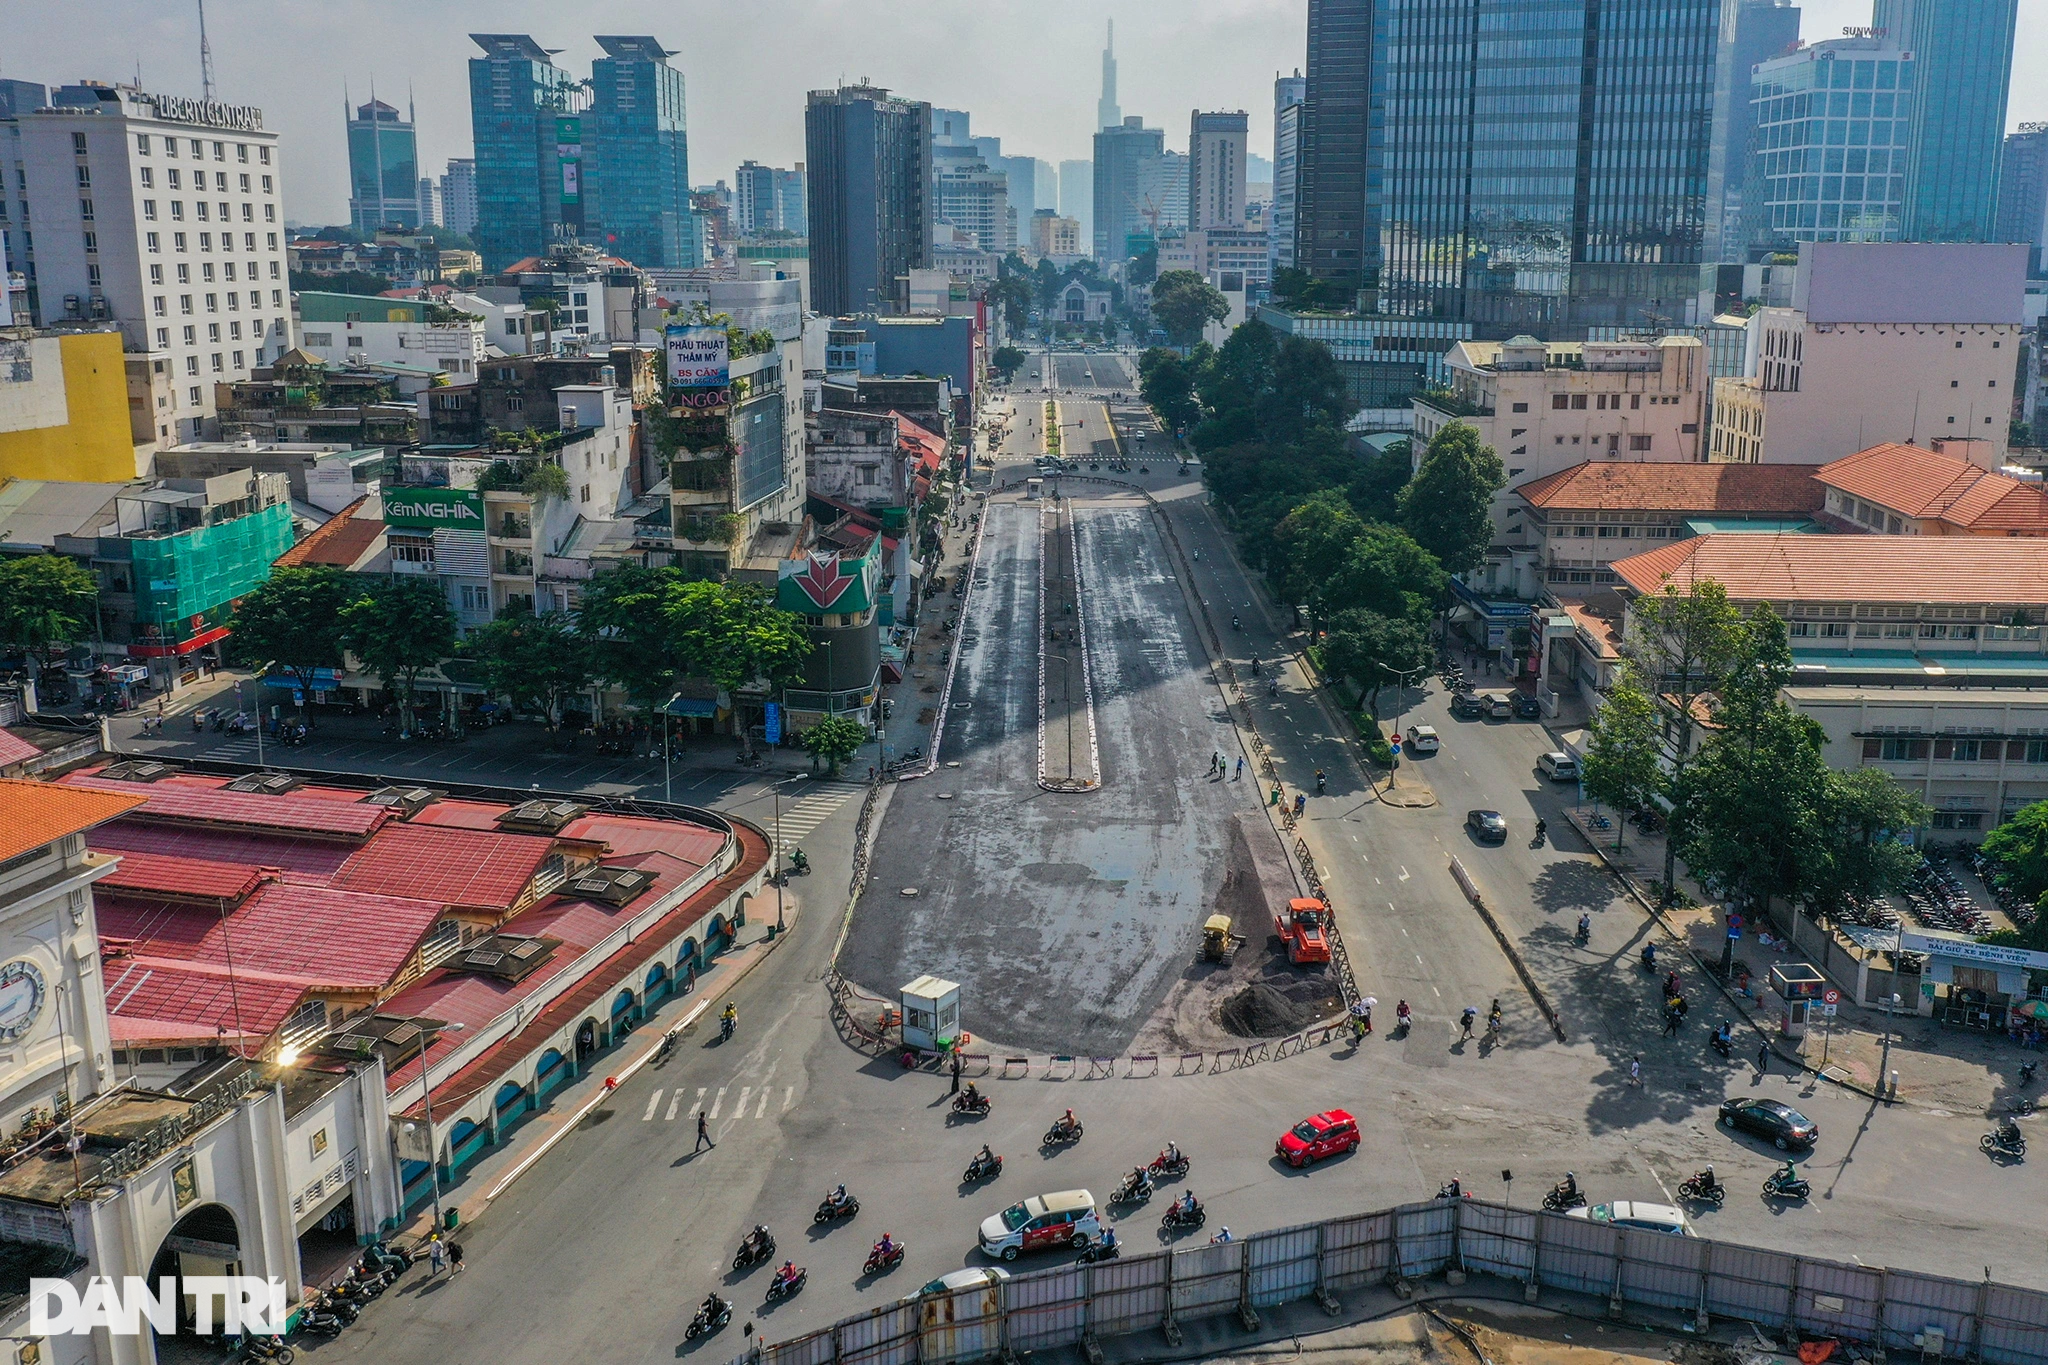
<point>1982,1321</point>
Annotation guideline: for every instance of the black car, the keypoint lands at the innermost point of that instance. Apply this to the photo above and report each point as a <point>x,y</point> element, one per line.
<point>1781,1123</point>
<point>1527,707</point>
<point>1487,826</point>
<point>1467,706</point>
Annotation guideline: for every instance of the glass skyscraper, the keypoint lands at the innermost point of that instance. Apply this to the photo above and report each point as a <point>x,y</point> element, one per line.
<point>1522,165</point>
<point>383,168</point>
<point>1829,159</point>
<point>870,190</point>
<point>637,157</point>
<point>523,112</point>
<point>1964,52</point>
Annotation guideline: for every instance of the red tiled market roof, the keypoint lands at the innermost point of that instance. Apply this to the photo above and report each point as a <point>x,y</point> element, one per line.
<point>213,805</point>
<point>317,935</point>
<point>183,1000</point>
<point>14,749</point>
<point>171,875</point>
<point>448,866</point>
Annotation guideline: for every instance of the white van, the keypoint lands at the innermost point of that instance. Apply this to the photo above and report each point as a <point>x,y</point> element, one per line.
<point>1558,766</point>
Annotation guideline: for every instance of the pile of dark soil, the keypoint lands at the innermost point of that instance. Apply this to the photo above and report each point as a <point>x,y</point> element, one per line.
<point>1260,1011</point>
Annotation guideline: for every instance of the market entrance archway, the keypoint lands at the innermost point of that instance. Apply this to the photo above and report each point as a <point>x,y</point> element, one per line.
<point>205,1241</point>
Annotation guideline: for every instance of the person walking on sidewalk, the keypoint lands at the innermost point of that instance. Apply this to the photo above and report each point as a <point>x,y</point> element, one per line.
<point>1763,1060</point>
<point>703,1134</point>
<point>1635,1070</point>
<point>1240,769</point>
<point>454,1258</point>
<point>437,1255</point>
<point>956,1071</point>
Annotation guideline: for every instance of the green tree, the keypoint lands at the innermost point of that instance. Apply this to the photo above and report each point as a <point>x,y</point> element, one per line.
<point>1006,361</point>
<point>832,741</point>
<point>1863,812</point>
<point>400,629</point>
<point>1448,505</point>
<point>1309,545</point>
<point>1622,764</point>
<point>46,604</point>
<point>359,282</point>
<point>1373,650</point>
<point>2020,848</point>
<point>536,661</point>
<point>734,635</point>
<point>1167,384</point>
<point>1183,303</point>
<point>1375,490</point>
<point>1385,571</point>
<point>621,616</point>
<point>1755,801</point>
<point>292,621</point>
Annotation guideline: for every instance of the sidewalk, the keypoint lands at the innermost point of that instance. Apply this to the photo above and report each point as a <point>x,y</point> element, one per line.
<point>494,1173</point>
<point>1937,1068</point>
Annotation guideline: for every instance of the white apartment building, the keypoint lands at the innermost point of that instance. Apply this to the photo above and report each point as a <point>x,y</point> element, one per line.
<point>1216,169</point>
<point>1903,342</point>
<point>356,329</point>
<point>163,214</point>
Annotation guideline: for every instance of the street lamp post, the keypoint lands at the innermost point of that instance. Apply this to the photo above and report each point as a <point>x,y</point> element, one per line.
<point>1400,704</point>
<point>778,879</point>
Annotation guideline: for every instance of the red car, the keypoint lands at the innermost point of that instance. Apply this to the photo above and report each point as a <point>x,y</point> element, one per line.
<point>1326,1134</point>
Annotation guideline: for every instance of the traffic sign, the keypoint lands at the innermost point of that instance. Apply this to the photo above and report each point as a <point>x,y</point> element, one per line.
<point>1829,1010</point>
<point>1831,996</point>
<point>1396,747</point>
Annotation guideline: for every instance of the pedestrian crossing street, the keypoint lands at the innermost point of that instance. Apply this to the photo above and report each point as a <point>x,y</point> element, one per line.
<point>752,1102</point>
<point>807,812</point>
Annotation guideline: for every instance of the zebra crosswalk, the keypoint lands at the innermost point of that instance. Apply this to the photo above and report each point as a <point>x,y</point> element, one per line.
<point>752,1102</point>
<point>813,809</point>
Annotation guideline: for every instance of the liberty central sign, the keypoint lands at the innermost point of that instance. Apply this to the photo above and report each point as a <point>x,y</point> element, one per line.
<point>245,118</point>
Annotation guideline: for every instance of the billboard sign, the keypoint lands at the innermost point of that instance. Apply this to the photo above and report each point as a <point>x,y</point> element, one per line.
<point>569,157</point>
<point>429,509</point>
<point>698,358</point>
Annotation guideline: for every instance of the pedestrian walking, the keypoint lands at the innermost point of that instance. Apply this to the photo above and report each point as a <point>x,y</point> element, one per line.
<point>956,1071</point>
<point>1274,800</point>
<point>455,1258</point>
<point>1670,1023</point>
<point>1240,769</point>
<point>1300,802</point>
<point>1635,1069</point>
<point>1763,1060</point>
<point>703,1134</point>
<point>437,1255</point>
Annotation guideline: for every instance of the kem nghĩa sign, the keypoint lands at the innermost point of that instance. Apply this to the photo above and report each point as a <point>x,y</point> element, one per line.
<point>434,509</point>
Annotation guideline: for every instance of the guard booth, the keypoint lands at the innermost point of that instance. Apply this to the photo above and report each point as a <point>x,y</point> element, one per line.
<point>1033,488</point>
<point>1799,986</point>
<point>931,1013</point>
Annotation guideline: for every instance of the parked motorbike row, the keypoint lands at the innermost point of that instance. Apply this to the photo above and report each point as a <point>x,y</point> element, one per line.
<point>1937,899</point>
<point>334,1308</point>
<point>2011,899</point>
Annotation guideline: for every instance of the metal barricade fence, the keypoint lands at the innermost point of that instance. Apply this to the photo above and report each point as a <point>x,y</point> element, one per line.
<point>1983,1321</point>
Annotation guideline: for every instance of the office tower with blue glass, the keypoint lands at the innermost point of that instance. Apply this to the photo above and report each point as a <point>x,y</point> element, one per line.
<point>1752,32</point>
<point>1964,53</point>
<point>868,166</point>
<point>525,118</point>
<point>1833,122</point>
<point>2023,192</point>
<point>637,157</point>
<point>1130,180</point>
<point>383,169</point>
<point>1330,228</point>
<point>1288,93</point>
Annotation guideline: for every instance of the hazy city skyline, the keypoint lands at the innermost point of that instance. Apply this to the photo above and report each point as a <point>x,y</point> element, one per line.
<point>746,87</point>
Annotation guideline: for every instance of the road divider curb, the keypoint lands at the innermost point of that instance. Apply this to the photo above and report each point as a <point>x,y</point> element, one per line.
<point>1536,992</point>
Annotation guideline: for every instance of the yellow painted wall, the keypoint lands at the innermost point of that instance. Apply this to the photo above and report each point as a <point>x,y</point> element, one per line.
<point>97,446</point>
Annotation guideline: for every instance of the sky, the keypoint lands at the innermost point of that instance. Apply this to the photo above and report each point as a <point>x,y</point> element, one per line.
<point>1027,72</point>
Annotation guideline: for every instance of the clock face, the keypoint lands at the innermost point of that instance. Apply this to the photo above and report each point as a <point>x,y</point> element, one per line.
<point>21,998</point>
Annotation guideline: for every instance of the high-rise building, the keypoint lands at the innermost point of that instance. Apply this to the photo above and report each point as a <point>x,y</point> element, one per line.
<point>1052,235</point>
<point>18,99</point>
<point>430,202</point>
<point>1752,31</point>
<point>383,168</point>
<point>869,187</point>
<point>952,128</point>
<point>1077,197</point>
<point>972,195</point>
<point>639,156</point>
<point>1805,187</point>
<point>2023,190</point>
<point>1288,93</point>
<point>525,121</point>
<point>1168,189</point>
<point>1216,169</point>
<point>1107,115</point>
<point>1964,52</point>
<point>768,199</point>
<point>163,215</point>
<point>458,196</point>
<point>1329,225</point>
<point>1127,183</point>
<point>1573,196</point>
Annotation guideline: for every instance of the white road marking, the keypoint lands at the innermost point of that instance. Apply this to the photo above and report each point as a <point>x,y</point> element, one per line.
<point>718,1101</point>
<point>675,1102</point>
<point>1404,874</point>
<point>788,1096</point>
<point>762,1111</point>
<point>739,1111</point>
<point>701,1091</point>
<point>653,1103</point>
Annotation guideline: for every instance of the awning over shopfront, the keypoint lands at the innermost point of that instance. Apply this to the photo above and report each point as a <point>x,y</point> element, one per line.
<point>164,651</point>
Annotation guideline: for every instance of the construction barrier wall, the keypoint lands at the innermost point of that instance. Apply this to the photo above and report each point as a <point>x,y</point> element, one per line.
<point>1982,1321</point>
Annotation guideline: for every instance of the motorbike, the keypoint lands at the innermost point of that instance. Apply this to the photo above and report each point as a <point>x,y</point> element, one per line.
<point>1062,1132</point>
<point>753,1252</point>
<point>1723,1044</point>
<point>1542,835</point>
<point>1180,1216</point>
<point>668,1045</point>
<point>1132,1190</point>
<point>971,1104</point>
<point>1453,1190</point>
<point>1697,1188</point>
<point>2004,1141</point>
<point>1563,1197</point>
<point>1162,1167</point>
<point>798,863</point>
<point>1584,934</point>
<point>725,1027</point>
<point>879,1261</point>
<point>709,1319</point>
<point>268,1348</point>
<point>1650,957</point>
<point>1776,1186</point>
<point>827,1210</point>
<point>779,1288</point>
<point>380,1255</point>
<point>319,1317</point>
<point>1100,1251</point>
<point>982,1168</point>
